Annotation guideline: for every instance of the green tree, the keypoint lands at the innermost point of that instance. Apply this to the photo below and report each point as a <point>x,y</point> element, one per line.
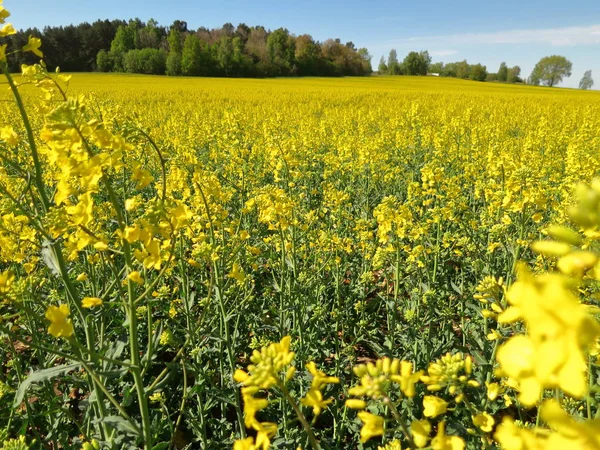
<point>514,75</point>
<point>150,36</point>
<point>150,61</point>
<point>586,82</point>
<point>175,49</point>
<point>281,48</point>
<point>437,67</point>
<point>225,55</point>
<point>463,69</point>
<point>365,61</point>
<point>191,56</point>
<point>124,39</point>
<point>478,72</point>
<point>104,62</point>
<point>416,63</point>
<point>503,72</point>
<point>393,65</point>
<point>382,68</point>
<point>307,54</point>
<point>551,70</point>
<point>449,70</point>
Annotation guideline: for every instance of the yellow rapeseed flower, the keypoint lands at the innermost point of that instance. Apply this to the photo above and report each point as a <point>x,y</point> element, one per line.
<point>60,324</point>
<point>90,302</point>
<point>267,364</point>
<point>420,429</point>
<point>372,425</point>
<point>484,421</point>
<point>433,406</point>
<point>33,45</point>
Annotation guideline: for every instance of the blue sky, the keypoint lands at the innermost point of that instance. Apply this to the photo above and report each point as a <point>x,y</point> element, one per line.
<point>518,32</point>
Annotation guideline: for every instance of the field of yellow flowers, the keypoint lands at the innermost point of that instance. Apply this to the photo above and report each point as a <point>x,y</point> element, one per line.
<point>377,263</point>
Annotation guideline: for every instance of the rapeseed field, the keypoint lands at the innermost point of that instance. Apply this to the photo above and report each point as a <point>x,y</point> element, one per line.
<point>381,262</point>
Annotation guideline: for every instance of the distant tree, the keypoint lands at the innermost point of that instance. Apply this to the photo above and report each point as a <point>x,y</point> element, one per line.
<point>437,67</point>
<point>281,48</point>
<point>241,62</point>
<point>492,77</point>
<point>256,48</point>
<point>104,61</point>
<point>179,25</point>
<point>228,29</point>
<point>551,70</point>
<point>150,61</point>
<point>586,82</point>
<point>243,32</point>
<point>463,69</point>
<point>335,54</point>
<point>478,72</point>
<point>365,61</point>
<point>175,49</point>
<point>514,75</point>
<point>150,36</point>
<point>124,39</point>
<point>503,72</point>
<point>225,55</point>
<point>191,56</point>
<point>382,68</point>
<point>307,54</point>
<point>449,70</point>
<point>416,63</point>
<point>393,65</point>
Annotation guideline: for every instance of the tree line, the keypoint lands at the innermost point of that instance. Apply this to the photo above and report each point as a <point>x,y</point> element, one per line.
<point>147,47</point>
<point>420,63</point>
<point>549,71</point>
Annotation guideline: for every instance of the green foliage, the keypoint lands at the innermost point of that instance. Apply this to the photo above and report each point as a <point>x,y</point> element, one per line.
<point>586,81</point>
<point>307,54</point>
<point>382,68</point>
<point>173,64</point>
<point>478,72</point>
<point>148,61</point>
<point>394,67</point>
<point>550,71</point>
<point>437,67</point>
<point>514,75</point>
<point>124,39</point>
<point>416,63</point>
<point>503,72</point>
<point>191,57</point>
<point>281,48</point>
<point>104,62</point>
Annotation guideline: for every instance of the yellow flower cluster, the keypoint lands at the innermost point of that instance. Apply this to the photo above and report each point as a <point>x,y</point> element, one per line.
<point>377,380</point>
<point>451,372</point>
<point>559,329</point>
<point>265,372</point>
<point>267,365</point>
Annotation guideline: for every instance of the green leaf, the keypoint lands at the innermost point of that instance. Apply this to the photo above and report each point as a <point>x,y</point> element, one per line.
<point>39,376</point>
<point>160,446</point>
<point>119,423</point>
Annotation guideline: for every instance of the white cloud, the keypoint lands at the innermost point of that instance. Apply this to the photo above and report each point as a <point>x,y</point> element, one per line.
<point>558,37</point>
<point>439,53</point>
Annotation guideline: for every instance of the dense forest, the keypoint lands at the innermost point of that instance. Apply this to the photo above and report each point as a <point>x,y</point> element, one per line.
<point>229,51</point>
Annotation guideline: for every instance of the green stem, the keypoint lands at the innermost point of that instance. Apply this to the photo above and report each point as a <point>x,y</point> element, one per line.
<point>39,180</point>
<point>401,421</point>
<point>311,436</point>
